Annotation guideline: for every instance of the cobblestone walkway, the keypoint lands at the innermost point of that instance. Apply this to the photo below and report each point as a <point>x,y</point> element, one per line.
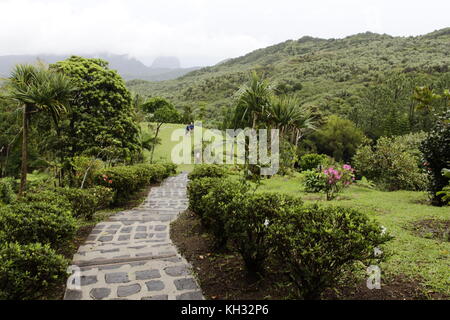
<point>132,257</point>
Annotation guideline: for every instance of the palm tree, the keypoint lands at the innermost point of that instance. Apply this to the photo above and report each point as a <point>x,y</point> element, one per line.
<point>252,102</point>
<point>289,116</point>
<point>37,89</point>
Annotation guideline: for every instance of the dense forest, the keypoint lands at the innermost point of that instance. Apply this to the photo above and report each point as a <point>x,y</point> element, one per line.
<point>368,78</point>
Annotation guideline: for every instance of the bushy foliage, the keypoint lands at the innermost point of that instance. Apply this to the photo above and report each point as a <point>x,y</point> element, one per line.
<point>127,180</point>
<point>312,161</point>
<point>85,202</point>
<point>445,193</point>
<point>196,190</point>
<point>84,169</point>
<point>389,165</point>
<point>315,244</point>
<point>332,180</point>
<point>29,271</point>
<point>101,120</point>
<point>338,138</point>
<point>218,204</point>
<point>248,221</point>
<point>207,170</point>
<point>314,181</point>
<point>436,155</point>
<point>33,222</point>
<point>7,194</point>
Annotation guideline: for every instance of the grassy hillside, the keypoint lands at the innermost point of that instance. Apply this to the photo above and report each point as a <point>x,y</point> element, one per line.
<point>324,73</point>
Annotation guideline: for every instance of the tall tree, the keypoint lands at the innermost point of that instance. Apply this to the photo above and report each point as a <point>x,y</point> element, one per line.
<point>37,89</point>
<point>253,100</point>
<point>102,119</point>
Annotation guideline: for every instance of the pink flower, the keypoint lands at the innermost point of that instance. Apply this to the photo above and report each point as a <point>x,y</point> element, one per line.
<point>347,167</point>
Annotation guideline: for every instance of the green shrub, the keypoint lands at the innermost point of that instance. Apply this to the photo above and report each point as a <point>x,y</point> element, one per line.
<point>390,166</point>
<point>315,244</point>
<point>247,225</point>
<point>436,156</point>
<point>196,190</point>
<point>48,196</point>
<point>127,180</point>
<point>312,161</point>
<point>84,169</point>
<point>7,194</point>
<point>207,171</point>
<point>29,271</point>
<point>37,222</point>
<point>85,202</point>
<point>314,181</point>
<point>445,193</point>
<point>217,204</point>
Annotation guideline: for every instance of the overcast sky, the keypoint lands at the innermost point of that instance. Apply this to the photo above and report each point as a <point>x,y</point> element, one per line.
<point>201,32</point>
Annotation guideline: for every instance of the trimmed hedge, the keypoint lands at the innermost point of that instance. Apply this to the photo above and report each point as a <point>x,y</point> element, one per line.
<point>127,180</point>
<point>316,244</point>
<point>85,202</point>
<point>208,171</point>
<point>29,271</point>
<point>248,223</point>
<point>218,204</point>
<point>33,222</point>
<point>196,190</point>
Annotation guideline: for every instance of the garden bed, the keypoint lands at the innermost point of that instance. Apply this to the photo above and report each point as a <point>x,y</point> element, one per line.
<point>222,276</point>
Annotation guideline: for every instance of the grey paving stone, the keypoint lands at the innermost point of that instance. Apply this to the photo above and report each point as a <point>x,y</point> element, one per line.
<point>73,295</point>
<point>124,237</point>
<point>185,284</point>
<point>177,271</point>
<point>140,236</point>
<point>87,280</point>
<point>105,238</point>
<point>126,229</point>
<point>158,297</point>
<point>197,295</point>
<point>116,277</point>
<point>160,228</point>
<point>125,291</point>
<point>147,274</point>
<point>100,293</point>
<point>155,285</point>
<point>141,229</point>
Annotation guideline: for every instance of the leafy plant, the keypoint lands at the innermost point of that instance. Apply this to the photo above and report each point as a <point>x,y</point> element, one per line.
<point>196,190</point>
<point>390,166</point>
<point>312,161</point>
<point>29,271</point>
<point>33,222</point>
<point>7,194</point>
<point>445,193</point>
<point>207,170</point>
<point>315,244</point>
<point>436,157</point>
<point>217,208</point>
<point>247,225</point>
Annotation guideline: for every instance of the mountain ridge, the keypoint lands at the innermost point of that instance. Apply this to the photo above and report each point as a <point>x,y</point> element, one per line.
<point>128,67</point>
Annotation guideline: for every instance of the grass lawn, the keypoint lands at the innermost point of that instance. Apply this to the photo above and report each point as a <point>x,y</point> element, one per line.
<point>416,253</point>
<point>164,150</point>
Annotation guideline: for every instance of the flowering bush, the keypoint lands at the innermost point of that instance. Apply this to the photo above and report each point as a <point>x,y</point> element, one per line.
<point>331,180</point>
<point>336,179</point>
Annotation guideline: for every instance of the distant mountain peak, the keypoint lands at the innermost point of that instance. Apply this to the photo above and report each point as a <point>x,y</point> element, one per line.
<point>166,63</point>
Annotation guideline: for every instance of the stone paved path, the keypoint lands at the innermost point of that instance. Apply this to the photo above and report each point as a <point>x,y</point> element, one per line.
<point>132,257</point>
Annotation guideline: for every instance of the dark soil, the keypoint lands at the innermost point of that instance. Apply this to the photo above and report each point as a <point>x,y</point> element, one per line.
<point>432,229</point>
<point>222,275</point>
